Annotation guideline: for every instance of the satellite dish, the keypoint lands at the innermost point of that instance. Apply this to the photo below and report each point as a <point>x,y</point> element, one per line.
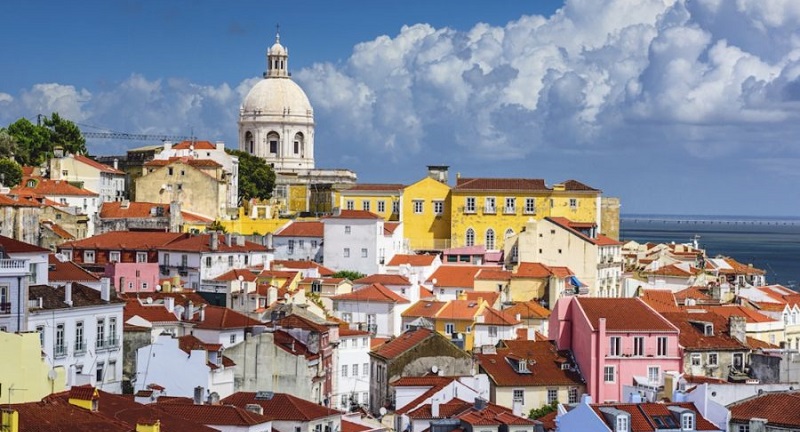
<point>158,288</point>
<point>148,300</point>
<point>52,375</point>
<point>435,369</point>
<point>286,296</point>
<point>382,411</point>
<point>434,281</point>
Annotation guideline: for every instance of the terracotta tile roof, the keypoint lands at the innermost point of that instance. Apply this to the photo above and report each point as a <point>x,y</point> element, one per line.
<point>348,426</point>
<point>455,276</point>
<point>48,416</point>
<point>47,187</point>
<point>9,245</point>
<point>460,310</point>
<point>201,243</point>
<point>544,364</point>
<point>82,296</point>
<point>57,230</point>
<point>603,240</point>
<point>697,379</point>
<point>573,228</point>
<point>693,292</point>
<point>18,201</point>
<point>375,292</point>
<point>153,313</point>
<point>222,318</point>
<point>642,415</point>
<point>125,240</point>
<point>131,209</point>
<point>190,343</point>
<point>286,342</point>
<point>390,227</point>
<point>185,160</point>
<point>424,309</point>
<point>739,268</point>
<point>450,409</point>
<point>233,275</point>
<point>493,274</point>
<point>97,165</point>
<point>215,415</point>
<point>345,331</point>
<point>490,297</point>
<point>623,314</point>
<point>68,271</point>
<point>660,299</point>
<point>493,415</point>
<point>434,383</point>
<point>492,316</point>
<point>282,406</point>
<point>751,315</point>
<point>353,214</point>
<point>302,229</point>
<point>574,185</point>
<point>779,408</point>
<point>301,265</point>
<point>675,270</point>
<point>385,279</point>
<point>307,322</point>
<point>383,187</point>
<point>500,184</point>
<point>394,347</point>
<point>754,343</point>
<point>532,270</point>
<point>412,260</point>
<point>692,336</point>
<point>197,145</point>
<point>528,310</point>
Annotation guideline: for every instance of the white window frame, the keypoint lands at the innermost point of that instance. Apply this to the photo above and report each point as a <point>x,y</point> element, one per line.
<point>510,205</point>
<point>89,256</point>
<point>530,205</point>
<point>638,346</point>
<point>696,359</point>
<point>381,206</point>
<point>419,206</point>
<point>346,253</point>
<point>141,257</point>
<point>490,205</point>
<point>449,328</point>
<point>518,395</point>
<point>614,346</point>
<point>469,205</point>
<point>365,205</point>
<point>654,377</point>
<point>609,374</point>
<point>438,207</point>
<point>349,205</point>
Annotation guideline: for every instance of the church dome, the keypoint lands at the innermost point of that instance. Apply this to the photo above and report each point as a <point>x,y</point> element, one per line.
<point>277,96</point>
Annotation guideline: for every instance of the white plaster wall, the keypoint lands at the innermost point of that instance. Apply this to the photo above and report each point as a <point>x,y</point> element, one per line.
<point>364,234</point>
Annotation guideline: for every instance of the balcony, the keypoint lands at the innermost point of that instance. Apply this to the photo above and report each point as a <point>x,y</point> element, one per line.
<point>510,210</point>
<point>489,210</point>
<point>100,344</point>
<point>164,269</point>
<point>183,270</point>
<point>112,343</point>
<point>80,348</point>
<point>13,266</point>
<point>60,351</point>
<point>5,308</point>
<point>467,209</point>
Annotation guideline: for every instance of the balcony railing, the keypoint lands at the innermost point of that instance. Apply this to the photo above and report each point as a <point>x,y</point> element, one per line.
<point>5,308</point>
<point>60,351</point>
<point>80,348</point>
<point>13,266</point>
<point>107,344</point>
<point>489,210</point>
<point>510,210</point>
<point>467,209</point>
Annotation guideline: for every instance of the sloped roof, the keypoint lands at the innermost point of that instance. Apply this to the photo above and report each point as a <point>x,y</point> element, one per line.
<point>460,310</point>
<point>97,165</point>
<point>153,313</point>
<point>50,187</point>
<point>282,406</point>
<point>68,271</point>
<point>302,265</point>
<point>544,364</point>
<point>375,187</point>
<point>492,316</point>
<point>533,270</point>
<point>82,296</point>
<point>314,229</point>
<point>57,229</point>
<point>412,260</point>
<point>623,314</point>
<point>661,300</point>
<point>574,185</point>
<point>423,308</point>
<point>691,337</point>
<point>385,279</point>
<point>233,275</point>
<point>196,144</point>
<point>528,310</point>
<point>375,292</point>
<point>779,408</point>
<point>493,274</point>
<point>457,276</point>
<point>353,214</point>
<point>10,245</point>
<point>185,160</point>
<point>219,415</point>
<point>125,240</point>
<point>500,184</point>
<point>201,243</point>
<point>402,343</point>
<point>642,415</point>
<point>223,318</point>
<point>751,315</point>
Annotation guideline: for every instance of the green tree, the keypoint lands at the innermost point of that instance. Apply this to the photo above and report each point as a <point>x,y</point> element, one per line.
<point>65,134</point>
<point>10,172</point>
<point>35,143</point>
<point>543,410</point>
<point>8,145</point>
<point>348,274</point>
<point>256,178</point>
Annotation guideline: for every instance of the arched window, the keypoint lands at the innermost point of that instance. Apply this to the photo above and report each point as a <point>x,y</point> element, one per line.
<point>299,145</point>
<point>249,142</point>
<point>273,138</point>
<point>470,237</point>
<point>509,233</point>
<point>489,239</point>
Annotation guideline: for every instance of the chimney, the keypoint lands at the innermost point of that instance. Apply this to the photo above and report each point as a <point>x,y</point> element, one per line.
<point>586,399</point>
<point>68,294</point>
<point>9,420</point>
<point>105,289</point>
<point>438,172</point>
<point>116,163</point>
<point>272,295</point>
<point>213,241</point>
<point>144,425</point>
<point>228,239</point>
<point>202,313</point>
<point>435,407</point>
<point>268,239</point>
<point>189,311</point>
<point>175,217</point>
<point>737,327</point>
<point>167,145</point>
<point>169,303</point>
<point>198,395</point>
<point>479,404</point>
<point>220,145</point>
<point>255,408</point>
<point>758,425</point>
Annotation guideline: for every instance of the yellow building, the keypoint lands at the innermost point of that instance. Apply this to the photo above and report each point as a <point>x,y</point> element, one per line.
<point>380,199</point>
<point>25,373</point>
<point>456,320</point>
<point>426,211</point>
<point>198,184</point>
<point>486,211</point>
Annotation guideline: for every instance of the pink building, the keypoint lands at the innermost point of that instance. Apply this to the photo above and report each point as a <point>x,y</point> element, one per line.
<point>133,277</point>
<point>616,342</point>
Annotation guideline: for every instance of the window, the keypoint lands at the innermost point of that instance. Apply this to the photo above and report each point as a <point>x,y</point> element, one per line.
<point>364,253</point>
<point>696,360</point>
<point>344,401</point>
<point>489,205</point>
<point>346,252</point>
<point>230,260</point>
<point>449,328</point>
<point>687,421</point>
<point>552,395</point>
<point>572,395</point>
<point>365,369</point>
<point>141,257</point>
<point>713,359</point>
<point>349,205</point>
<point>609,374</point>
<point>662,346</point>
<point>743,428</point>
<point>469,239</point>
<point>88,256</point>
<point>519,396</point>
<point>290,247</point>
<point>208,261</point>
<point>233,339</point>
<point>418,207</point>
<point>101,333</point>
<point>622,423</point>
<point>638,346</point>
<point>61,348</point>
<point>365,205</point>
<point>530,205</point>
<point>347,229</point>
<point>184,260</point>
<point>113,256</point>
<point>573,202</point>
<point>489,238</point>
<point>395,206</point>
<point>80,344</point>
<point>381,206</point>
<point>347,317</point>
<point>112,331</point>
<point>615,346</point>
<point>273,138</point>
<point>355,368</point>
<point>509,233</point>
<point>653,374</point>
<point>99,372</point>
<point>313,244</point>
<point>469,207</point>
<point>344,370</point>
<point>438,207</point>
<point>170,171</point>
<point>492,331</point>
<point>511,205</point>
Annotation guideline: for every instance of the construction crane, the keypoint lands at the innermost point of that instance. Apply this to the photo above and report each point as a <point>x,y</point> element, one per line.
<point>108,134</point>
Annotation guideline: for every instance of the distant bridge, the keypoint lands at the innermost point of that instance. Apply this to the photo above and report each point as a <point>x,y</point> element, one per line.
<point>718,221</point>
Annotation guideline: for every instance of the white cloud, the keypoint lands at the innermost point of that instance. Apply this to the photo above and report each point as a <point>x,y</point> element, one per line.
<point>6,98</point>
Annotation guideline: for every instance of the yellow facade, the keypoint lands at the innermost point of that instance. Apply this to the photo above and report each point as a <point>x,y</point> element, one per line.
<point>298,198</point>
<point>199,190</point>
<point>575,205</point>
<point>460,326</point>
<point>24,372</point>
<point>382,202</point>
<point>524,289</point>
<point>423,225</point>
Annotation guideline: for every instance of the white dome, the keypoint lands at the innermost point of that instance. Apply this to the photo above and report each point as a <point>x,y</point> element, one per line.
<point>278,49</point>
<point>275,96</point>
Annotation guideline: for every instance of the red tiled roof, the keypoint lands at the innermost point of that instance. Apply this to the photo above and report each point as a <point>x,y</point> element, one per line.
<point>185,160</point>
<point>282,406</point>
<point>97,165</point>
<point>301,265</point>
<point>641,415</point>
<point>492,316</point>
<point>345,331</point>
<point>490,297</point>
<point>385,187</point>
<point>57,230</point>
<point>692,337</point>
<point>574,185</point>
<point>603,240</point>
<point>354,214</point>
<point>544,364</point>
<point>412,260</point>
<point>456,276</point>
<point>197,145</point>
<point>348,426</point>
<point>302,229</point>
<point>233,275</point>
<point>45,187</point>
<point>125,240</point>
<point>493,274</point>
<point>460,310</point>
<point>754,343</point>
<point>449,409</point>
<point>739,268</point>
<point>190,343</point>
<point>385,279</point>
<point>402,343</point>
<point>375,292</point>
<point>675,270</point>
<point>215,415</point>
<point>434,383</point>
<point>68,271</point>
<point>623,314</point>
<point>201,243</point>
<point>493,415</point>
<point>500,184</point>
<point>692,292</point>
<point>18,201</point>
<point>779,408</point>
<point>153,313</point>
<point>423,308</point>
<point>222,318</point>
<point>130,209</point>
<point>751,315</point>
<point>528,310</point>
<point>11,245</point>
<point>532,270</point>
<point>660,299</point>
<point>390,227</point>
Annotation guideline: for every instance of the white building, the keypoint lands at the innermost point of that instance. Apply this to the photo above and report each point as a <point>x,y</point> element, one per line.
<point>299,240</point>
<point>21,265</point>
<point>492,326</point>
<point>108,182</point>
<point>82,201</point>
<point>352,358</point>
<point>80,330</point>
<point>410,264</point>
<point>181,364</point>
<point>373,308</point>
<point>361,241</point>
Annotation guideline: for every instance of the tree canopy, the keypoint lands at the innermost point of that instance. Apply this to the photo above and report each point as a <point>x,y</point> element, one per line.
<point>33,144</point>
<point>256,178</point>
<point>10,173</point>
<point>348,274</point>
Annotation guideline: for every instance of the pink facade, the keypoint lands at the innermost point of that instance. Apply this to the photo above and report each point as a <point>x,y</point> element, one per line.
<point>133,277</point>
<point>587,330</point>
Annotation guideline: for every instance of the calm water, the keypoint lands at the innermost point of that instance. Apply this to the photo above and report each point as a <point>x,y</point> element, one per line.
<point>771,244</point>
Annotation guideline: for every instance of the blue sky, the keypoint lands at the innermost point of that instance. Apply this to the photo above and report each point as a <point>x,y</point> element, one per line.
<point>673,106</point>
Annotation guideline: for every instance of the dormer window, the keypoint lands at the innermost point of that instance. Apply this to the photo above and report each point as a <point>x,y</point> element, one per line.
<point>708,329</point>
<point>687,421</point>
<point>622,423</point>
